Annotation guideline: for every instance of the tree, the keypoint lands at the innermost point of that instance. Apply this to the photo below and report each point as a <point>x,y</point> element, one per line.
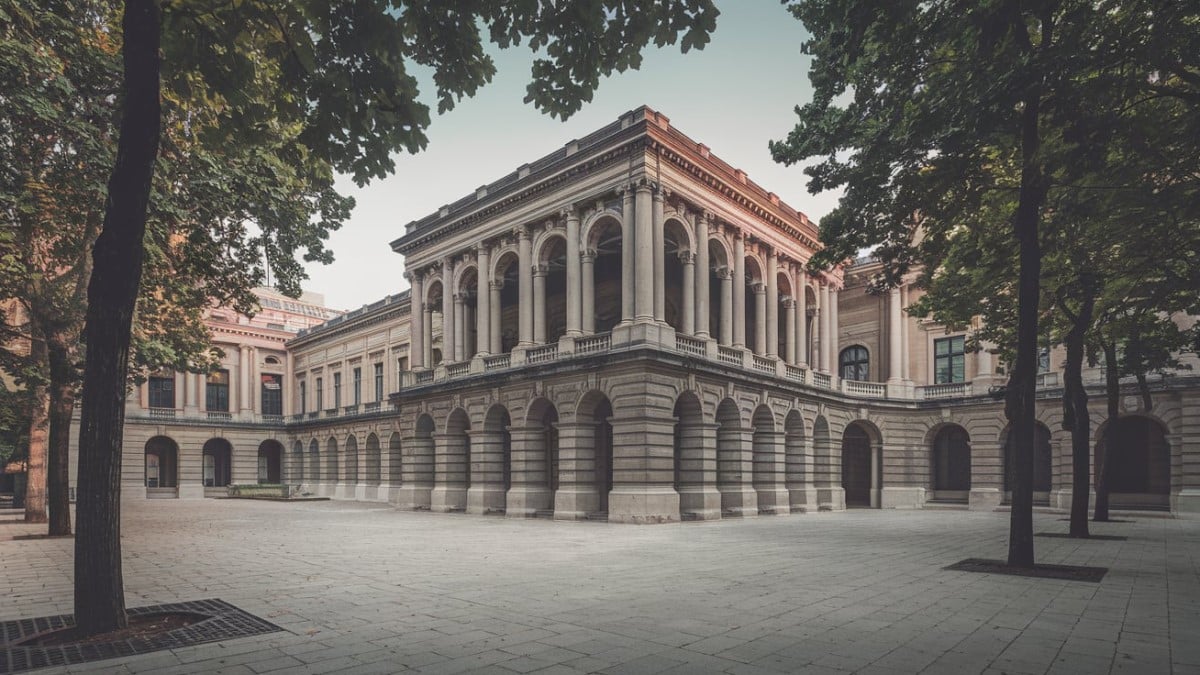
<point>336,76</point>
<point>949,104</point>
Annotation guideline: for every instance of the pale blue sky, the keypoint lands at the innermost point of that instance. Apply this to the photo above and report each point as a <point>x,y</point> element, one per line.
<point>733,96</point>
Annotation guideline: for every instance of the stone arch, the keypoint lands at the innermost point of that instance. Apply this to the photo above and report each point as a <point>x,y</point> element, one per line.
<point>1140,475</point>
<point>595,410</point>
<point>783,281</point>
<point>604,240</point>
<point>492,467</point>
<point>297,462</point>
<point>217,464</point>
<point>735,463</point>
<point>467,287</point>
<point>1043,463</point>
<point>161,466</point>
<point>798,463</point>
<point>677,248</point>
<point>591,230</point>
<point>826,472</point>
<point>418,465</point>
<point>373,469</point>
<point>768,463</point>
<point>695,461</point>
<point>950,463</point>
<point>314,468</point>
<point>550,287</point>
<point>395,460</point>
<point>330,475</point>
<point>720,289</point>
<point>755,304</point>
<point>434,303</point>
<point>861,448</point>
<point>350,465</point>
<point>270,462</point>
<point>451,462</point>
<point>506,300</point>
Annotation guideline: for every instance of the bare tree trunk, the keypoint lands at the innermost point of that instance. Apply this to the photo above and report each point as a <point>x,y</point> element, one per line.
<point>112,291</point>
<point>62,405</point>
<point>1112,391</point>
<point>35,467</point>
<point>1077,418</point>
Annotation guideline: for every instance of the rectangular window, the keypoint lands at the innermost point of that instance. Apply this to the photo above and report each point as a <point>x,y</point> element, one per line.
<point>337,390</point>
<point>378,382</point>
<point>162,391</point>
<point>949,360</point>
<point>303,398</point>
<point>320,394</point>
<point>216,392</point>
<point>357,386</point>
<point>272,394</point>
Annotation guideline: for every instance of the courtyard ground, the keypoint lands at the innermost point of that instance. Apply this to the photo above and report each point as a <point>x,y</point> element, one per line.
<point>363,588</point>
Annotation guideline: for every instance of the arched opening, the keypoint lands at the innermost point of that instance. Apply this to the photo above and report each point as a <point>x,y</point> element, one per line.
<point>720,294</point>
<point>808,354</point>
<point>605,241</point>
<point>856,465</point>
<point>433,317</point>
<point>550,291</point>
<point>785,311</point>
<point>951,454</point>
<point>826,472</point>
<point>691,464</point>
<point>1042,465</point>
<point>734,463</point>
<point>297,462</point>
<point>313,465</point>
<point>395,460</point>
<point>217,465</point>
<point>799,472</point>
<point>269,454</point>
<point>418,466</point>
<point>452,461</point>
<point>596,410</point>
<point>374,464</point>
<point>543,462</point>
<point>506,328</point>
<point>465,307</point>
<point>756,307</point>
<point>1140,472</point>
<point>854,363</point>
<point>162,467</point>
<point>330,475</point>
<point>768,463</point>
<point>676,249</point>
<point>351,463</point>
<point>496,453</point>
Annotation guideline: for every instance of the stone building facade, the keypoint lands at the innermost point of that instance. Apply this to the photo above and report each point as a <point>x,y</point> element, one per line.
<point>624,330</point>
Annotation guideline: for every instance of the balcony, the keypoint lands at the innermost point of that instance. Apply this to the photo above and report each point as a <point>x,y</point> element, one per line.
<point>218,416</point>
<point>163,413</point>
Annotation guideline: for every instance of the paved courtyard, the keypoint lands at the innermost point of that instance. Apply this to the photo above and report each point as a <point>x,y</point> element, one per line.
<point>366,589</point>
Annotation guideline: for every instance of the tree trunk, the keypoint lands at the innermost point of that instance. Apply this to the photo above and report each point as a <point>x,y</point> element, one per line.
<point>62,405</point>
<point>35,466</point>
<point>1112,392</point>
<point>116,274</point>
<point>1075,401</point>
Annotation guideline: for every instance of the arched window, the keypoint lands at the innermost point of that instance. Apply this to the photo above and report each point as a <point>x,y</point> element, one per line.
<point>854,363</point>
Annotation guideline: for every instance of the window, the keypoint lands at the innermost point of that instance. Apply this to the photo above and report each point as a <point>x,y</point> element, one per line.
<point>949,360</point>
<point>162,390</point>
<point>357,386</point>
<point>320,394</point>
<point>216,392</point>
<point>303,398</point>
<point>378,382</point>
<point>272,394</point>
<point>337,390</point>
<point>854,363</point>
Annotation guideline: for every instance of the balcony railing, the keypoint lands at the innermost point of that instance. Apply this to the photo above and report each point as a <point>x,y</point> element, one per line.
<point>689,345</point>
<point>371,407</point>
<point>763,363</point>
<point>219,416</point>
<point>424,376</point>
<point>952,390</point>
<point>350,409</point>
<point>458,369</point>
<point>331,412</point>
<point>542,354</point>
<point>729,355</point>
<point>869,389</point>
<point>272,419</point>
<point>163,413</point>
<point>497,362</point>
<point>593,344</point>
<point>822,380</point>
<point>795,372</point>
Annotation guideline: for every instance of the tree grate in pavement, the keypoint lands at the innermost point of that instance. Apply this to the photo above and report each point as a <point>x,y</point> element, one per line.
<point>1063,572</point>
<point>224,622</point>
<point>1097,537</point>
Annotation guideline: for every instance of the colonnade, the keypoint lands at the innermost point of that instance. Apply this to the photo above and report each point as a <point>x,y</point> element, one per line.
<point>781,316</point>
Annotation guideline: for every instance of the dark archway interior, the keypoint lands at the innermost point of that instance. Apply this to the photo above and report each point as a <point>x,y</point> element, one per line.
<point>217,466</point>
<point>269,453</point>
<point>606,276</point>
<point>856,465</point>
<point>952,459</point>
<point>162,463</point>
<point>1141,463</point>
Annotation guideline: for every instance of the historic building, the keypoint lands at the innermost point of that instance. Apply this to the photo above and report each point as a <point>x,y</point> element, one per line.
<point>624,329</point>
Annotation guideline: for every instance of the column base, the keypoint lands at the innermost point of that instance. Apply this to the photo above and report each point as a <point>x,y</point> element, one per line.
<point>575,503</point>
<point>360,492</point>
<point>412,497</point>
<point>447,499</point>
<point>738,501</point>
<point>485,499</point>
<point>773,501</point>
<point>802,499</point>
<point>902,498</point>
<point>525,502</point>
<point>644,331</point>
<point>642,505</point>
<point>191,492</point>
<point>1187,500</point>
<point>983,499</point>
<point>699,503</point>
<point>831,499</point>
<point>343,491</point>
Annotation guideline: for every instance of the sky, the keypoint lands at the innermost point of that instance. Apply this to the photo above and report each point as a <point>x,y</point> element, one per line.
<point>734,96</point>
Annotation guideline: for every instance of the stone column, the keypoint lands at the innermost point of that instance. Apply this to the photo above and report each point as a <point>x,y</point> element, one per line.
<point>486,494</point>
<point>245,366</point>
<point>895,356</point>
<point>525,289</point>
<point>983,362</point>
<point>770,473</point>
<point>699,498</point>
<point>539,304</point>
<point>726,329</point>
<point>833,330</point>
<point>799,467</point>
<point>739,290</point>
<point>906,353</point>
<point>448,310</point>
<point>529,493</point>
<point>191,394</point>
<point>494,316</point>
<point>460,323</point>
<point>823,333</point>
<point>660,269</point>
<point>587,262</point>
<point>574,306</point>
<point>289,386</point>
<point>802,318</point>
<point>416,473</point>
<point>628,249</point>
<point>735,471</point>
<point>576,496</point>
<point>416,338</point>
<point>643,462</point>
<point>772,305</point>
<point>702,272</point>
<point>760,319</point>
<point>483,315</point>
<point>427,341</point>
<point>789,328</point>
<point>644,240</point>
<point>689,292</point>
<point>450,473</point>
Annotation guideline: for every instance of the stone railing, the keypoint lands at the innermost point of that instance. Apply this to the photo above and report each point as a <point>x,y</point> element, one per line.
<point>423,376</point>
<point>763,363</point>
<point>218,416</point>
<point>690,345</point>
<point>371,407</point>
<point>542,354</point>
<point>350,409</point>
<point>822,380</point>
<point>497,362</point>
<point>936,391</point>
<point>272,419</point>
<point>458,369</point>
<point>593,344</point>
<point>729,355</point>
<point>795,372</point>
<point>331,412</point>
<point>163,413</point>
<point>868,389</point>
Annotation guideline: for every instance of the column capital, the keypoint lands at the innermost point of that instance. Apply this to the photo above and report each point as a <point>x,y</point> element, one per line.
<point>483,249</point>
<point>408,276</point>
<point>496,285</point>
<point>708,217</point>
<point>588,255</point>
<point>723,272</point>
<point>521,232</point>
<point>645,185</point>
<point>788,301</point>
<point>569,212</point>
<point>687,257</point>
<point>758,287</point>
<point>738,234</point>
<point>541,270</point>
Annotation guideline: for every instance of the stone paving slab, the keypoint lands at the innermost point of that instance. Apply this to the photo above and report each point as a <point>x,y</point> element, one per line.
<point>361,588</point>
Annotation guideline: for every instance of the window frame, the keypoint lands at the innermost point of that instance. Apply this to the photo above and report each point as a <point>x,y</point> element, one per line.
<point>165,383</point>
<point>955,368</point>
<point>862,365</point>
<point>216,393</point>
